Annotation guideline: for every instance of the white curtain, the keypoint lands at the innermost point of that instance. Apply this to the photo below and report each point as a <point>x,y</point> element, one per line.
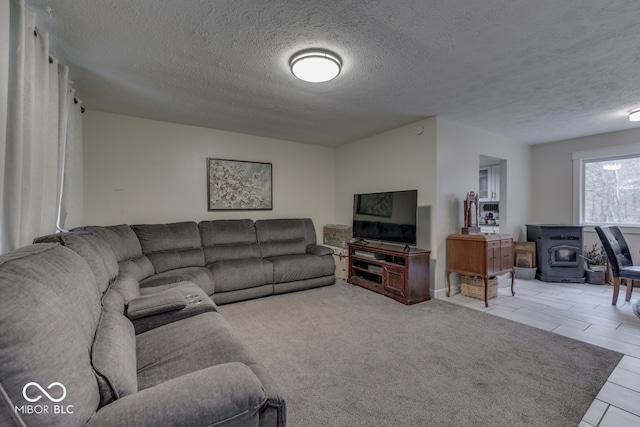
<point>40,134</point>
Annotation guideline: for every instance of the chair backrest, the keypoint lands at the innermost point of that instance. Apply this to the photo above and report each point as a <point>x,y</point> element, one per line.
<point>615,247</point>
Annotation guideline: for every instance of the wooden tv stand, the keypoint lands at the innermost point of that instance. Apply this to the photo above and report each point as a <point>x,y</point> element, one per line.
<point>391,271</point>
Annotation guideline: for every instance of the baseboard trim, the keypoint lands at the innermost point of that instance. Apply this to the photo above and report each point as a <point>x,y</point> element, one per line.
<point>442,293</point>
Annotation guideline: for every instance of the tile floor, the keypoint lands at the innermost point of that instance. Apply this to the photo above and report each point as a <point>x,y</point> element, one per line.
<point>583,312</point>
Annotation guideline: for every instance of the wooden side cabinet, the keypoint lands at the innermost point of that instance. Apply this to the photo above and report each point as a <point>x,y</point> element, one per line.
<point>480,255</point>
<point>391,271</point>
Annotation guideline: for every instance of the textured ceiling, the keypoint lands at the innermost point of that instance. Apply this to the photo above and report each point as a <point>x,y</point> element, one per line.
<point>533,71</point>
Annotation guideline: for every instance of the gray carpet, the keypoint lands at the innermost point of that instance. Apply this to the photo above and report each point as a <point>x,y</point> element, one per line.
<point>345,356</point>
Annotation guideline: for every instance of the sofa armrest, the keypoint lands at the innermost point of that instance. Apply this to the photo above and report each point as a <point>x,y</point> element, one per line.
<point>158,303</point>
<point>221,394</point>
<point>319,250</point>
<point>195,300</point>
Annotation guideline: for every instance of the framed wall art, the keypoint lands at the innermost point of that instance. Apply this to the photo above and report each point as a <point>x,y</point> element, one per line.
<point>237,185</point>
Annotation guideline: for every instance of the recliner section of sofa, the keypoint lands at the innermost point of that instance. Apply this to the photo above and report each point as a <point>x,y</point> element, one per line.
<point>231,260</point>
<point>298,262</point>
<point>175,251</point>
<point>124,318</point>
<point>65,328</point>
<point>146,308</point>
<point>233,256</point>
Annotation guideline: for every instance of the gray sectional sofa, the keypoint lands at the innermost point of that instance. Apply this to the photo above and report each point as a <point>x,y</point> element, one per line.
<point>231,260</point>
<point>118,325</point>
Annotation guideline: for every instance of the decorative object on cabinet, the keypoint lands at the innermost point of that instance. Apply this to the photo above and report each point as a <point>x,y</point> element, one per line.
<point>471,214</point>
<point>237,185</point>
<point>391,271</point>
<point>337,235</point>
<point>480,255</point>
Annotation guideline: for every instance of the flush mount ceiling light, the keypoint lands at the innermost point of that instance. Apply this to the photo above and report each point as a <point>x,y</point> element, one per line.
<point>634,116</point>
<point>315,66</point>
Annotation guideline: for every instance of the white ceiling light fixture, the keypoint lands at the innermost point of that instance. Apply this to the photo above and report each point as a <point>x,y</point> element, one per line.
<point>634,116</point>
<point>316,65</point>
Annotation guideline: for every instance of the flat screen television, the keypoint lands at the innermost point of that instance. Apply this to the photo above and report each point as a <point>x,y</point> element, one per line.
<point>389,217</point>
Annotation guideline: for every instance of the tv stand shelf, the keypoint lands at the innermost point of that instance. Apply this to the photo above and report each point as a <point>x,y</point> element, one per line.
<point>391,271</point>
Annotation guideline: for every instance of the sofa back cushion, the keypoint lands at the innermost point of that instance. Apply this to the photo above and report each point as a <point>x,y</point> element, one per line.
<point>279,237</point>
<point>49,312</point>
<point>225,240</point>
<point>139,268</point>
<point>123,290</point>
<point>121,238</point>
<point>127,249</point>
<point>171,246</point>
<point>94,251</point>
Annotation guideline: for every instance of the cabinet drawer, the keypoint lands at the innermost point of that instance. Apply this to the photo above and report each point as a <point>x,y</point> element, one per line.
<point>494,244</point>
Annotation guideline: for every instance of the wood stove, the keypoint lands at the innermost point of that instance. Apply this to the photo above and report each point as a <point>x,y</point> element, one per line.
<point>559,252</point>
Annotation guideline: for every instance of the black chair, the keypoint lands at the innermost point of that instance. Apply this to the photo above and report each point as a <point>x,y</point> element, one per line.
<point>619,259</point>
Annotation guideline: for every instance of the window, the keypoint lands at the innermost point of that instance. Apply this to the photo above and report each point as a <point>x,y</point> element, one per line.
<point>609,190</point>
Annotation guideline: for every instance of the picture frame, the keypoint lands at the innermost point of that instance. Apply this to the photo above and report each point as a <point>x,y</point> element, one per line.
<point>239,185</point>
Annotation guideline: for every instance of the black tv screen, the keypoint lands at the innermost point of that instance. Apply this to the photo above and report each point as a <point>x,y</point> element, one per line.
<point>390,216</point>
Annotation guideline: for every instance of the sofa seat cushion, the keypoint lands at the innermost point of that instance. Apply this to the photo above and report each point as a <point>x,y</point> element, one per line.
<point>290,268</point>
<point>201,276</point>
<point>237,274</point>
<point>228,395</point>
<point>186,346</point>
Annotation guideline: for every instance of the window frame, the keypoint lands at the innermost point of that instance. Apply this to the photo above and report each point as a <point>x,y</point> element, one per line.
<point>600,154</point>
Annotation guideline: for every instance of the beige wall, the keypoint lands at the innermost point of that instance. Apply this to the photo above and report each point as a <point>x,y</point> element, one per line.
<point>552,180</point>
<point>552,176</point>
<point>145,171</point>
<point>459,150</point>
<point>443,165</point>
<point>391,161</point>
